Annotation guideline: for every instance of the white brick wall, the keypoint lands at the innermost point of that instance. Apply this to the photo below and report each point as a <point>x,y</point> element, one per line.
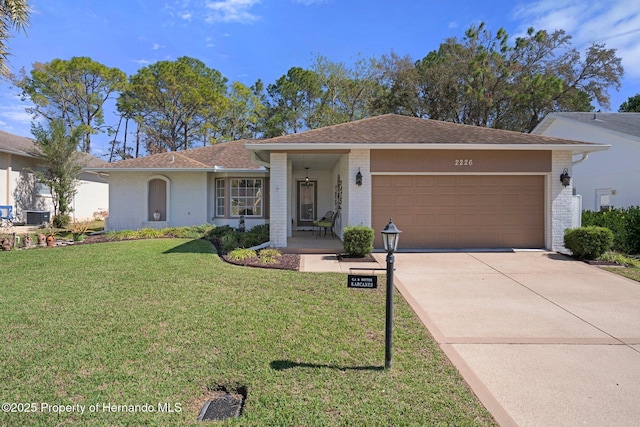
<point>359,197</point>
<point>128,199</point>
<point>280,196</point>
<point>560,201</point>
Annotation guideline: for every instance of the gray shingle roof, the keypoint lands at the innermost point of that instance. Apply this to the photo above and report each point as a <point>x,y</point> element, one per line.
<point>15,144</point>
<point>229,155</point>
<point>389,128</point>
<point>628,123</point>
<point>23,146</point>
<point>393,128</point>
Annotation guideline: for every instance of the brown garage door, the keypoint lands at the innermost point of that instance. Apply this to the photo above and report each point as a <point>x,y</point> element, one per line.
<point>461,211</point>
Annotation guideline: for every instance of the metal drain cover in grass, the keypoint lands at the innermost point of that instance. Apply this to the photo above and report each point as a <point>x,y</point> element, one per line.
<point>222,407</point>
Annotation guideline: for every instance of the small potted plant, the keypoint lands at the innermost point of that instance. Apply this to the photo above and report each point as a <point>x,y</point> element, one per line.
<point>6,244</point>
<point>156,215</point>
<point>50,239</point>
<point>78,230</point>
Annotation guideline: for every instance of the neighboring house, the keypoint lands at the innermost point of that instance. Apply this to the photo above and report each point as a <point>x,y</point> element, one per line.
<point>612,178</point>
<point>30,199</point>
<point>445,185</point>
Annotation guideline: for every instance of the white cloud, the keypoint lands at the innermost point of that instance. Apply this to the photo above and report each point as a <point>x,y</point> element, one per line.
<point>14,111</point>
<point>17,116</point>
<point>231,11</point>
<point>186,16</point>
<point>615,23</point>
<point>14,117</point>
<point>157,46</point>
<point>142,62</point>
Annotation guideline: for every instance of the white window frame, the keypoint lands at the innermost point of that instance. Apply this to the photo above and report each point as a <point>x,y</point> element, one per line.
<point>42,189</point>
<point>220,197</point>
<point>246,197</point>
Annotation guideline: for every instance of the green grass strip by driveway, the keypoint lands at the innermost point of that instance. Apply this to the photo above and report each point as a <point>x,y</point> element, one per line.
<point>630,272</point>
<point>165,321</point>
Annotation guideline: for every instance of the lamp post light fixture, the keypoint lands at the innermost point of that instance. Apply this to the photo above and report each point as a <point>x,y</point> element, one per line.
<point>390,237</point>
<point>565,179</point>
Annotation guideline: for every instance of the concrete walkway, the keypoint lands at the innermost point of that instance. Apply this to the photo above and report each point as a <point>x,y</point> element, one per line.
<point>325,263</point>
<point>541,339</point>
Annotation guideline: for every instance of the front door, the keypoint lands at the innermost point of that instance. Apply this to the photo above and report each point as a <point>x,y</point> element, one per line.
<point>307,198</point>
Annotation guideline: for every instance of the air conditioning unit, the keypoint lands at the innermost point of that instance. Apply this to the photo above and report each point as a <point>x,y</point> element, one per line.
<point>38,217</point>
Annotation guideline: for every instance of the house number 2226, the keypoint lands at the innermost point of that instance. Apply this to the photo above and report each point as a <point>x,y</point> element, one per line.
<point>463,162</point>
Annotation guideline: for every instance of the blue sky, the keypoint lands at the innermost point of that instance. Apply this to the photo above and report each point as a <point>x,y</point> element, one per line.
<point>250,39</point>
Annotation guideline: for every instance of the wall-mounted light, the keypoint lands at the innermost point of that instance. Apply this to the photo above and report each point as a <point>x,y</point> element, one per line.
<point>565,179</point>
<point>358,178</point>
<point>306,179</point>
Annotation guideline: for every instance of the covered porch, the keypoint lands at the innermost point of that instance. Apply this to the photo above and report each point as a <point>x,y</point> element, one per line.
<point>306,185</point>
<point>306,242</point>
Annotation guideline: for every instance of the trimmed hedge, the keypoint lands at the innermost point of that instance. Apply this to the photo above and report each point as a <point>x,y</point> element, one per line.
<point>623,222</point>
<point>358,240</point>
<point>588,242</point>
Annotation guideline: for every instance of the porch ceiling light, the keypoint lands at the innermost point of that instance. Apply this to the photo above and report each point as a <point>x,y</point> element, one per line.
<point>565,179</point>
<point>358,178</point>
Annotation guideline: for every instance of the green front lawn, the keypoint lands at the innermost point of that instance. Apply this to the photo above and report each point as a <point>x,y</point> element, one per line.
<point>166,322</point>
<point>630,272</point>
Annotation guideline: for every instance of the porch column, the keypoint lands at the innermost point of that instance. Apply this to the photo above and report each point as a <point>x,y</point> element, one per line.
<point>359,196</point>
<point>290,207</point>
<point>278,188</point>
<point>561,199</point>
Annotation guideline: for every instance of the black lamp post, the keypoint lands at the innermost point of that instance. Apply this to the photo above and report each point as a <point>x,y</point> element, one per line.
<point>390,237</point>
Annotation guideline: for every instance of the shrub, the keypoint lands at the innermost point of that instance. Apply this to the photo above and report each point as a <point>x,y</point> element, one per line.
<point>269,256</point>
<point>121,235</point>
<point>624,223</point>
<point>358,240</point>
<point>149,233</point>
<point>241,254</point>
<point>218,232</point>
<point>261,232</point>
<point>588,242</point>
<point>61,221</point>
<point>186,232</point>
<point>619,258</point>
<point>230,241</point>
<point>248,240</point>
<point>79,227</point>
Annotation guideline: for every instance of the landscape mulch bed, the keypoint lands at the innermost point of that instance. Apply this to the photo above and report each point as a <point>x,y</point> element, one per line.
<point>284,262</point>
<point>349,258</point>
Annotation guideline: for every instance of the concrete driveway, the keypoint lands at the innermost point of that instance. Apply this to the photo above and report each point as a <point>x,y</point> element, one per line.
<point>542,340</point>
